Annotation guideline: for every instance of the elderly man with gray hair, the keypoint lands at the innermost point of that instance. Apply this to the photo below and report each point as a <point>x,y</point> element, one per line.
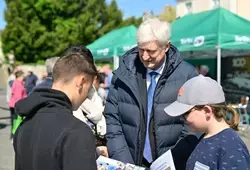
<point>49,63</point>
<point>147,80</point>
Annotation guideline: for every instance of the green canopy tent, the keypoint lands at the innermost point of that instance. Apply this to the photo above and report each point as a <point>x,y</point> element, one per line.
<point>114,44</point>
<point>207,33</point>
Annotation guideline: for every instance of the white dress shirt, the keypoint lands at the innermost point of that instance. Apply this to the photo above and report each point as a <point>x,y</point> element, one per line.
<point>159,71</point>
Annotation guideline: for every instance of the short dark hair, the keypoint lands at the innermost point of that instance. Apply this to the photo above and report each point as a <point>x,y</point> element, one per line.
<point>69,66</point>
<point>102,78</point>
<point>98,78</point>
<point>19,74</point>
<point>81,49</point>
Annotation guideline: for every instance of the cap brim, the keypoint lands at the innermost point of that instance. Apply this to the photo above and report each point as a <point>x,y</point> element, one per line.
<point>177,109</point>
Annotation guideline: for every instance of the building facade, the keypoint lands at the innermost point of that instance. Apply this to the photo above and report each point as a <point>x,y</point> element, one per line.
<point>239,7</point>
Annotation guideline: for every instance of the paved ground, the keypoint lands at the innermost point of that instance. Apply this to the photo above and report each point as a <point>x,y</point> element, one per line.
<point>6,149</point>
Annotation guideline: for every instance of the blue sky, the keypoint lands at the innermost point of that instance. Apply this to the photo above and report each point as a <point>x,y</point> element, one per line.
<point>137,7</point>
<point>129,7</point>
<point>2,6</point>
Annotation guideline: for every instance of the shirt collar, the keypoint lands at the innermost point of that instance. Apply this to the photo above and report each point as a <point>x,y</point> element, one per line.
<point>159,70</point>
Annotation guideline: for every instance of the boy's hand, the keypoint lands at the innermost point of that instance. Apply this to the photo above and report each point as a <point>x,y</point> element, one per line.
<point>102,150</point>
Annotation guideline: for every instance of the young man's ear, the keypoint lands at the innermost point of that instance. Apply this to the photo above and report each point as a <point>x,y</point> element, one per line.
<point>80,81</point>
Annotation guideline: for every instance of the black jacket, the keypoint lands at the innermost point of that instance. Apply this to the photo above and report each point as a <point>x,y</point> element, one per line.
<point>50,137</point>
<point>126,110</point>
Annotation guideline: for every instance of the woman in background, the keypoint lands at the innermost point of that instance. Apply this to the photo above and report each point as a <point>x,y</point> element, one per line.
<point>17,92</point>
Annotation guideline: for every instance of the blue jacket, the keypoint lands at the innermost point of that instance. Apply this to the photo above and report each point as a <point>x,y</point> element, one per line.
<point>126,110</point>
<point>47,83</point>
<point>30,82</point>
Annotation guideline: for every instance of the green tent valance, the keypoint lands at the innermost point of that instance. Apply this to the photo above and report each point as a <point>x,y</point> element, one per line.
<point>114,43</point>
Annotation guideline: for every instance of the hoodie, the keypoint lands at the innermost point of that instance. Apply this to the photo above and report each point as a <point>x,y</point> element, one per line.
<point>50,137</point>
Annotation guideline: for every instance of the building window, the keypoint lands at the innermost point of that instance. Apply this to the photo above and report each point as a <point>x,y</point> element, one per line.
<point>215,3</point>
<point>189,7</point>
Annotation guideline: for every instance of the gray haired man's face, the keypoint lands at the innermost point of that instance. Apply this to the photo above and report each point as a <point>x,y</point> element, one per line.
<point>152,54</point>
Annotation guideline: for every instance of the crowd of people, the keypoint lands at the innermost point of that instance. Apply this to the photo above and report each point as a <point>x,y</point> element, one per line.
<point>154,102</point>
<point>21,84</point>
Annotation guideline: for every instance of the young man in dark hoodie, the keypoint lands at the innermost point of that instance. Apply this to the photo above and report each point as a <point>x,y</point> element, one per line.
<point>50,137</point>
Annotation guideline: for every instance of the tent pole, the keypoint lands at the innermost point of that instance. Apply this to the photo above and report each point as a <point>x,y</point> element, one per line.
<point>116,62</point>
<point>115,59</point>
<point>219,65</point>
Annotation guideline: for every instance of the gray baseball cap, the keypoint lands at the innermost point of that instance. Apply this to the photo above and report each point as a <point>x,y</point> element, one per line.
<point>199,90</point>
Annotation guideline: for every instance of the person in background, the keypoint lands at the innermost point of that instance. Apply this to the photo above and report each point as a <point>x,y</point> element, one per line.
<point>30,81</point>
<point>201,101</point>
<point>198,68</point>
<point>43,77</point>
<point>50,137</point>
<point>18,92</point>
<point>101,91</point>
<point>47,83</point>
<point>9,70</point>
<point>147,80</point>
<point>108,77</point>
<point>204,70</point>
<point>10,81</point>
<point>91,113</point>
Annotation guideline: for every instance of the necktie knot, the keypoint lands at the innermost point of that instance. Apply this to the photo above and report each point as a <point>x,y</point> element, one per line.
<point>153,74</point>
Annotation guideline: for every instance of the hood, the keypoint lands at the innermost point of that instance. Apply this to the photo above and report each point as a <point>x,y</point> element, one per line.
<point>42,99</point>
<point>127,61</point>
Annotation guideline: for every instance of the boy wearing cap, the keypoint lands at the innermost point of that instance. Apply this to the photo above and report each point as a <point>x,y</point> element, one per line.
<point>201,101</point>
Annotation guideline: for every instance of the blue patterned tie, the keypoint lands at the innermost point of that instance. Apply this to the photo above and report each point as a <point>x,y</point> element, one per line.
<point>147,153</point>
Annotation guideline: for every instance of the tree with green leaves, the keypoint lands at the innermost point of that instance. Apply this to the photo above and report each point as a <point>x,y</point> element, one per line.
<point>40,29</point>
<point>131,21</point>
<point>168,14</point>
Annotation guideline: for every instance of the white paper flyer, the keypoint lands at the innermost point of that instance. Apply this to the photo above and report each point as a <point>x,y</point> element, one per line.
<point>164,162</point>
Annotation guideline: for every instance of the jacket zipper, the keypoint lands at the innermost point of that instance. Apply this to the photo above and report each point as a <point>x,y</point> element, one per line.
<point>140,151</point>
<point>153,128</point>
<point>143,136</point>
<point>150,124</point>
